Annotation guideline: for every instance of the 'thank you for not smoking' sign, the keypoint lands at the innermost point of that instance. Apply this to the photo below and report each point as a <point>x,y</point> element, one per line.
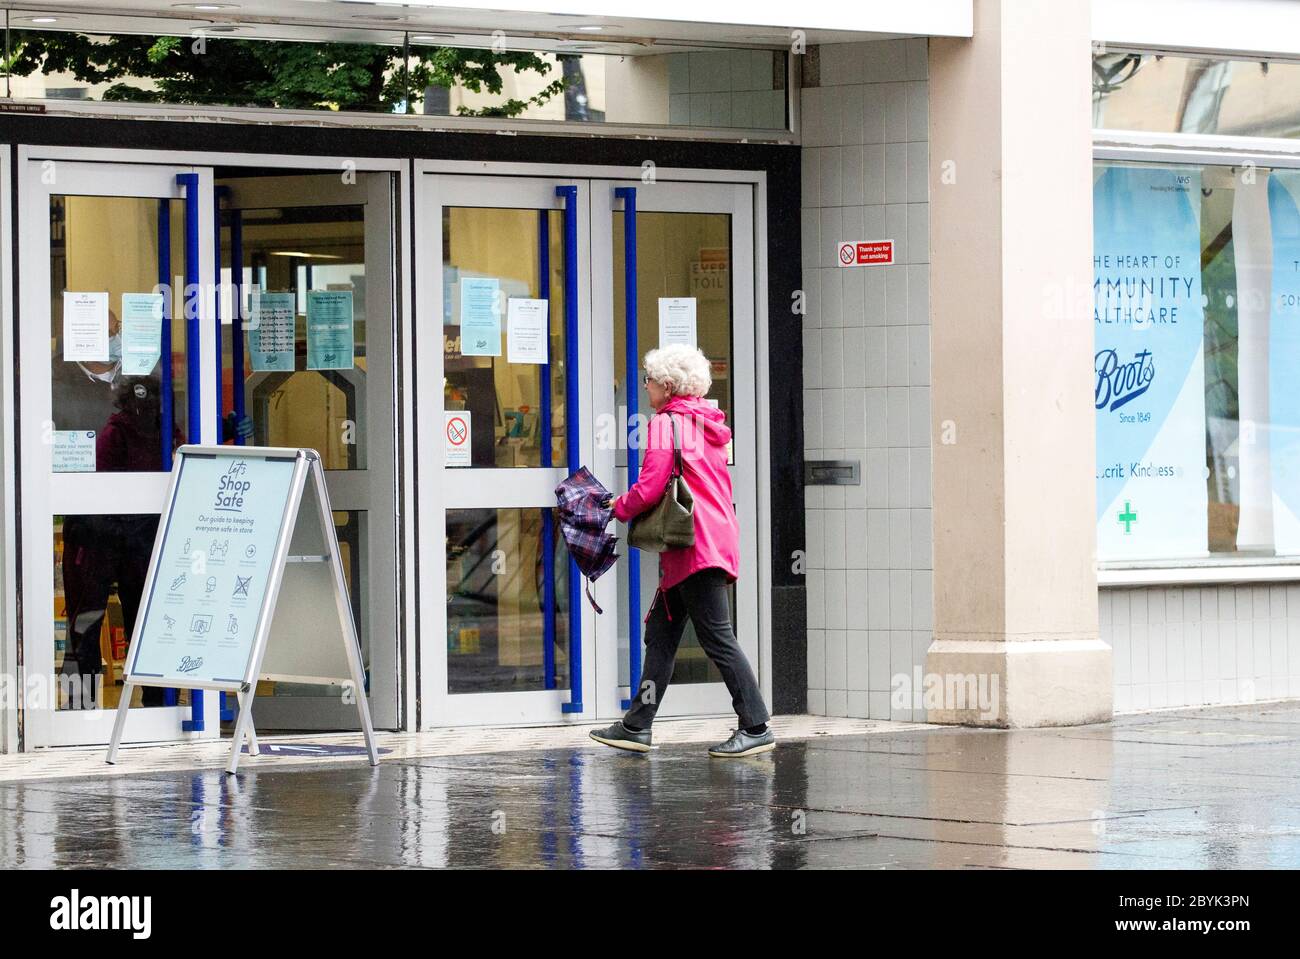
<point>217,553</point>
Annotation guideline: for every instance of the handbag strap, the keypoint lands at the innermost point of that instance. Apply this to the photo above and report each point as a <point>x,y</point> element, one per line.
<point>677,448</point>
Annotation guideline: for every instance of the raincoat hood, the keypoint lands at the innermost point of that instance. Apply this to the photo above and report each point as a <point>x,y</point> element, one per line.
<point>709,420</point>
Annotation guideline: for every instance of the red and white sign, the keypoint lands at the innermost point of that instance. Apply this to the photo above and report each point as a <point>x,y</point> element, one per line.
<point>865,253</point>
<point>456,433</point>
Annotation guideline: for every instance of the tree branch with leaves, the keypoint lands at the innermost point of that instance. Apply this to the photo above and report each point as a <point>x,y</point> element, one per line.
<point>226,71</point>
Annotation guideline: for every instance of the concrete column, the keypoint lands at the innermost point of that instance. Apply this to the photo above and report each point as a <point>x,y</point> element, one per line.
<point>1013,423</point>
<point>1252,244</point>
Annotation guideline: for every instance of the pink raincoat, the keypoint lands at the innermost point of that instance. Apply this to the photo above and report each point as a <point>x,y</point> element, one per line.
<point>703,435</point>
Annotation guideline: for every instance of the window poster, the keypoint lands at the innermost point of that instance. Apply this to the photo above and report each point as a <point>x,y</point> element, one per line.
<point>329,330</point>
<point>526,330</point>
<point>480,316</point>
<point>1283,346</point>
<point>142,319</point>
<point>74,451</point>
<point>677,320</point>
<point>1149,364</point>
<point>85,327</point>
<point>456,432</point>
<point>271,332</point>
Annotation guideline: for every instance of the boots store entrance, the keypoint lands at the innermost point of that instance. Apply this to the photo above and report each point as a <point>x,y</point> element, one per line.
<point>154,256</point>
<point>501,312</point>
<point>502,421</point>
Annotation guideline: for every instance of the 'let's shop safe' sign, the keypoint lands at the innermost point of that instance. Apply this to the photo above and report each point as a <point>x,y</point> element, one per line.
<point>214,565</point>
<point>1149,364</point>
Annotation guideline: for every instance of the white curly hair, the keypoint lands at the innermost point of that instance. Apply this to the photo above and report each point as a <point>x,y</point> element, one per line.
<point>682,370</point>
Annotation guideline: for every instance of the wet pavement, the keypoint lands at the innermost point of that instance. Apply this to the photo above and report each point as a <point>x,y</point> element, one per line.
<point>1189,789</point>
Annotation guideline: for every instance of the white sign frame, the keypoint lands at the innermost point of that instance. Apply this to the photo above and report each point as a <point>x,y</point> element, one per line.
<point>306,462</point>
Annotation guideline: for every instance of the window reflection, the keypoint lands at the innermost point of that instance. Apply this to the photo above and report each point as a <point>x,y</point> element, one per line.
<point>108,407</point>
<point>1146,91</point>
<point>100,566</point>
<point>498,631</point>
<point>287,253</point>
<point>678,255</point>
<point>491,256</point>
<point>1238,287</point>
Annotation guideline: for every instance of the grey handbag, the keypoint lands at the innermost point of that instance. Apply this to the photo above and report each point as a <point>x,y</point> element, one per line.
<point>671,523</point>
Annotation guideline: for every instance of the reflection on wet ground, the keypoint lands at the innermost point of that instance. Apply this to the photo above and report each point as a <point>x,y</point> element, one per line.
<point>1190,789</point>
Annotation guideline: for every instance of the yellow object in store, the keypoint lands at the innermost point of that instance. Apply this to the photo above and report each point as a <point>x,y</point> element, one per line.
<point>469,640</point>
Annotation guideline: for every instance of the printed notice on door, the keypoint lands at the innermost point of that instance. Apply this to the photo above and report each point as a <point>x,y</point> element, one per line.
<point>526,324</point>
<point>85,327</point>
<point>142,318</point>
<point>270,334</point>
<point>480,319</point>
<point>74,451</point>
<point>677,320</point>
<point>456,436</point>
<point>329,330</point>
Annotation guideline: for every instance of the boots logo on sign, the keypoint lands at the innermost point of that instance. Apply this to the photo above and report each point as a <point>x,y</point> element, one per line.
<point>1118,383</point>
<point>865,253</point>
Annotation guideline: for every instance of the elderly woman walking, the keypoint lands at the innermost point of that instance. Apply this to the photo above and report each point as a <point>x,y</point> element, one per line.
<point>693,580</point>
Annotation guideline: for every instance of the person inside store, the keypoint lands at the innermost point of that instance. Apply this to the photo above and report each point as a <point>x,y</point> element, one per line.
<point>693,580</point>
<point>104,553</point>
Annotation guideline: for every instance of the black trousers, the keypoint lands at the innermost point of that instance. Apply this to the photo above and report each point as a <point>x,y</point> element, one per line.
<point>703,597</point>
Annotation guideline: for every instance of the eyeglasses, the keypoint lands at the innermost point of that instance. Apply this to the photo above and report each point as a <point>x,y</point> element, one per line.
<point>646,379</point>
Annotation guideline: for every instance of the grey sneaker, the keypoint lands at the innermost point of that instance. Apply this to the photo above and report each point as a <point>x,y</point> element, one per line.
<point>742,743</point>
<point>620,737</point>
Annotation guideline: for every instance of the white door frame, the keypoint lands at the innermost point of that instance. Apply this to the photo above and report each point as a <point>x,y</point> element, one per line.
<point>415,488</point>
<point>436,711</point>
<point>46,493</point>
<point>9,694</point>
<point>147,497</point>
<point>736,201</point>
<point>359,489</point>
<point>443,489</point>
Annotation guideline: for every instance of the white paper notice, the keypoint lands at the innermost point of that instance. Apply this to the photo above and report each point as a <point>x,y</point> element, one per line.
<point>677,320</point>
<point>456,437</point>
<point>85,326</point>
<point>526,330</point>
<point>74,451</point>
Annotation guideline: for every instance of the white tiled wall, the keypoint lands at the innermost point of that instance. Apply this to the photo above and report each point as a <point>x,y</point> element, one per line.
<point>725,88</point>
<point>867,374</point>
<point>1194,646</point>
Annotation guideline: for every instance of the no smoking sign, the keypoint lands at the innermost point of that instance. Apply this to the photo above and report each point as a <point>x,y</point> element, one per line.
<point>865,252</point>
<point>456,436</point>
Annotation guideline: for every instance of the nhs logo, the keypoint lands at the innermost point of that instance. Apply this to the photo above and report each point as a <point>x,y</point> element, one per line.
<point>1120,383</point>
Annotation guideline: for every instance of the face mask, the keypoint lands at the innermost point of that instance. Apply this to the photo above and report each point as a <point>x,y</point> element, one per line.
<point>115,347</point>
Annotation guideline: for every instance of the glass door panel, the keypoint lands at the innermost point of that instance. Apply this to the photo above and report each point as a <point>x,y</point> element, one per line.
<point>519,425</point>
<point>507,428</point>
<point>690,240</point>
<point>287,240</point>
<point>677,255</point>
<point>109,354</point>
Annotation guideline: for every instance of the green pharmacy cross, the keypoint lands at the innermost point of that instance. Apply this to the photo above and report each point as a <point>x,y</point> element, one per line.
<point>1128,518</point>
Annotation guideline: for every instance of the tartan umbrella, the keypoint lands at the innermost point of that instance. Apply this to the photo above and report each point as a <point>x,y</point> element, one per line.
<point>582,522</point>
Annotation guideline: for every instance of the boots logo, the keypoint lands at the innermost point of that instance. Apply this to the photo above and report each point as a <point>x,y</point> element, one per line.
<point>189,664</point>
<point>76,912</point>
<point>1121,383</point>
<point>232,488</point>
